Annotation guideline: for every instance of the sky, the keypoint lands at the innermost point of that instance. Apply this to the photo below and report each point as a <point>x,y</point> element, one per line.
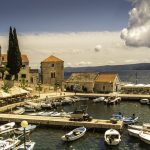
<point>81,32</point>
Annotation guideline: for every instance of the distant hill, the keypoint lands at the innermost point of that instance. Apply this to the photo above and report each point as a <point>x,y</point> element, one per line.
<point>109,68</point>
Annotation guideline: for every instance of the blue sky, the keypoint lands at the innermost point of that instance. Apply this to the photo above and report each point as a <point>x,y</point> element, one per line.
<point>63,15</point>
<point>81,32</point>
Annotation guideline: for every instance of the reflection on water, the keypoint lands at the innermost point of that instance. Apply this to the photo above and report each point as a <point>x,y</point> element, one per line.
<point>48,138</point>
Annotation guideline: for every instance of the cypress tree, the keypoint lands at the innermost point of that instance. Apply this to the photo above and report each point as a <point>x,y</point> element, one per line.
<point>14,61</point>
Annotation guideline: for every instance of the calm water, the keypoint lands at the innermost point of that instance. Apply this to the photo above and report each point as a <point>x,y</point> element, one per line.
<point>47,138</point>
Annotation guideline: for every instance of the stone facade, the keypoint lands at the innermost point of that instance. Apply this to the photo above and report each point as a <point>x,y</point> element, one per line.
<point>52,71</point>
<point>107,83</point>
<point>34,76</point>
<point>81,82</point>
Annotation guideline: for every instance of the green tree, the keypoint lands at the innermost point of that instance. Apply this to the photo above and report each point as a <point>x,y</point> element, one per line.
<point>14,61</point>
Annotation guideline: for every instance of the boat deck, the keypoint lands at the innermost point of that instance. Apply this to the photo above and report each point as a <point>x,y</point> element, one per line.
<point>62,121</point>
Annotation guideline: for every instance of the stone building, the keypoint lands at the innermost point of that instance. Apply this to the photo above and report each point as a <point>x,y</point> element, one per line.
<point>34,76</point>
<point>24,71</point>
<point>107,83</point>
<point>52,71</point>
<point>81,82</point>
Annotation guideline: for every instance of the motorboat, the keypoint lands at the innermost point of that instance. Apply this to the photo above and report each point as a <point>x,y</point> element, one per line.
<point>28,146</point>
<point>117,116</point>
<point>134,132</point>
<point>99,99</point>
<point>74,134</point>
<point>112,137</point>
<point>130,120</point>
<point>9,143</point>
<point>28,129</point>
<point>7,126</point>
<point>112,100</point>
<point>144,101</point>
<point>145,136</point>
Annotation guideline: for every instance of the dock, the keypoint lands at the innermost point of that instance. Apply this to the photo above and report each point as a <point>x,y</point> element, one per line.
<point>61,121</point>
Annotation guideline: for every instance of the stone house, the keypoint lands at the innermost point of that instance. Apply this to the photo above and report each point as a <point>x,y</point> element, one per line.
<point>80,82</point>
<point>107,83</point>
<point>24,71</point>
<point>34,76</point>
<point>52,71</point>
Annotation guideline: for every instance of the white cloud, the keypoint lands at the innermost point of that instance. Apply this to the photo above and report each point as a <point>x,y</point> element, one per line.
<point>138,31</point>
<point>83,63</point>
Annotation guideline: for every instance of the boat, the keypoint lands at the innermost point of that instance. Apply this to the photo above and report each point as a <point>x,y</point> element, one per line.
<point>74,134</point>
<point>19,111</point>
<point>131,120</point>
<point>135,127</point>
<point>99,99</point>
<point>117,116</point>
<point>144,101</point>
<point>28,146</point>
<point>112,100</point>
<point>9,143</point>
<point>28,129</point>
<point>134,132</point>
<point>112,137</point>
<point>145,136</point>
<point>7,126</point>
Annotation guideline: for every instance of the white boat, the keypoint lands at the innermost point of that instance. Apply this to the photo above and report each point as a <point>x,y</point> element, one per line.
<point>99,99</point>
<point>74,134</point>
<point>28,146</point>
<point>134,132</point>
<point>112,137</point>
<point>135,127</point>
<point>8,144</point>
<point>7,126</point>
<point>117,116</point>
<point>145,136</point>
<point>19,111</point>
<point>130,120</point>
<point>28,129</point>
<point>144,101</point>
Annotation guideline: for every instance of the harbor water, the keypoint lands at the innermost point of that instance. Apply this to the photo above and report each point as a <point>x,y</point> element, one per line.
<point>48,138</point>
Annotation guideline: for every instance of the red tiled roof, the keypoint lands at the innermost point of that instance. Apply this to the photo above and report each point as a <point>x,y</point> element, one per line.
<point>52,59</point>
<point>106,77</point>
<point>24,58</point>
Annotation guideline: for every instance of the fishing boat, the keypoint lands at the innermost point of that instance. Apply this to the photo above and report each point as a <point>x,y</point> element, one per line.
<point>74,134</point>
<point>144,101</point>
<point>112,137</point>
<point>7,126</point>
<point>9,143</point>
<point>145,136</point>
<point>99,99</point>
<point>28,146</point>
<point>112,100</point>
<point>134,132</point>
<point>28,129</point>
<point>135,127</point>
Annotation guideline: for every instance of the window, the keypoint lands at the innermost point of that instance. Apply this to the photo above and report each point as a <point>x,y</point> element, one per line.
<point>52,65</point>
<point>23,75</point>
<point>52,74</point>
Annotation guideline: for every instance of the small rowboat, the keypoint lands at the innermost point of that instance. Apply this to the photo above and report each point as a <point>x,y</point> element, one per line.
<point>112,137</point>
<point>145,136</point>
<point>130,120</point>
<point>74,134</point>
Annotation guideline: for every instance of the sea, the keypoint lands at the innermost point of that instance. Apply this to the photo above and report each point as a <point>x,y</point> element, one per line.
<point>49,138</point>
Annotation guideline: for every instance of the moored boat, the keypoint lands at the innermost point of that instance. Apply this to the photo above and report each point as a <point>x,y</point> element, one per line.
<point>131,120</point>
<point>99,99</point>
<point>7,126</point>
<point>145,136</point>
<point>135,127</point>
<point>144,101</point>
<point>74,134</point>
<point>19,111</point>
<point>117,116</point>
<point>133,132</point>
<point>28,146</point>
<point>112,137</point>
